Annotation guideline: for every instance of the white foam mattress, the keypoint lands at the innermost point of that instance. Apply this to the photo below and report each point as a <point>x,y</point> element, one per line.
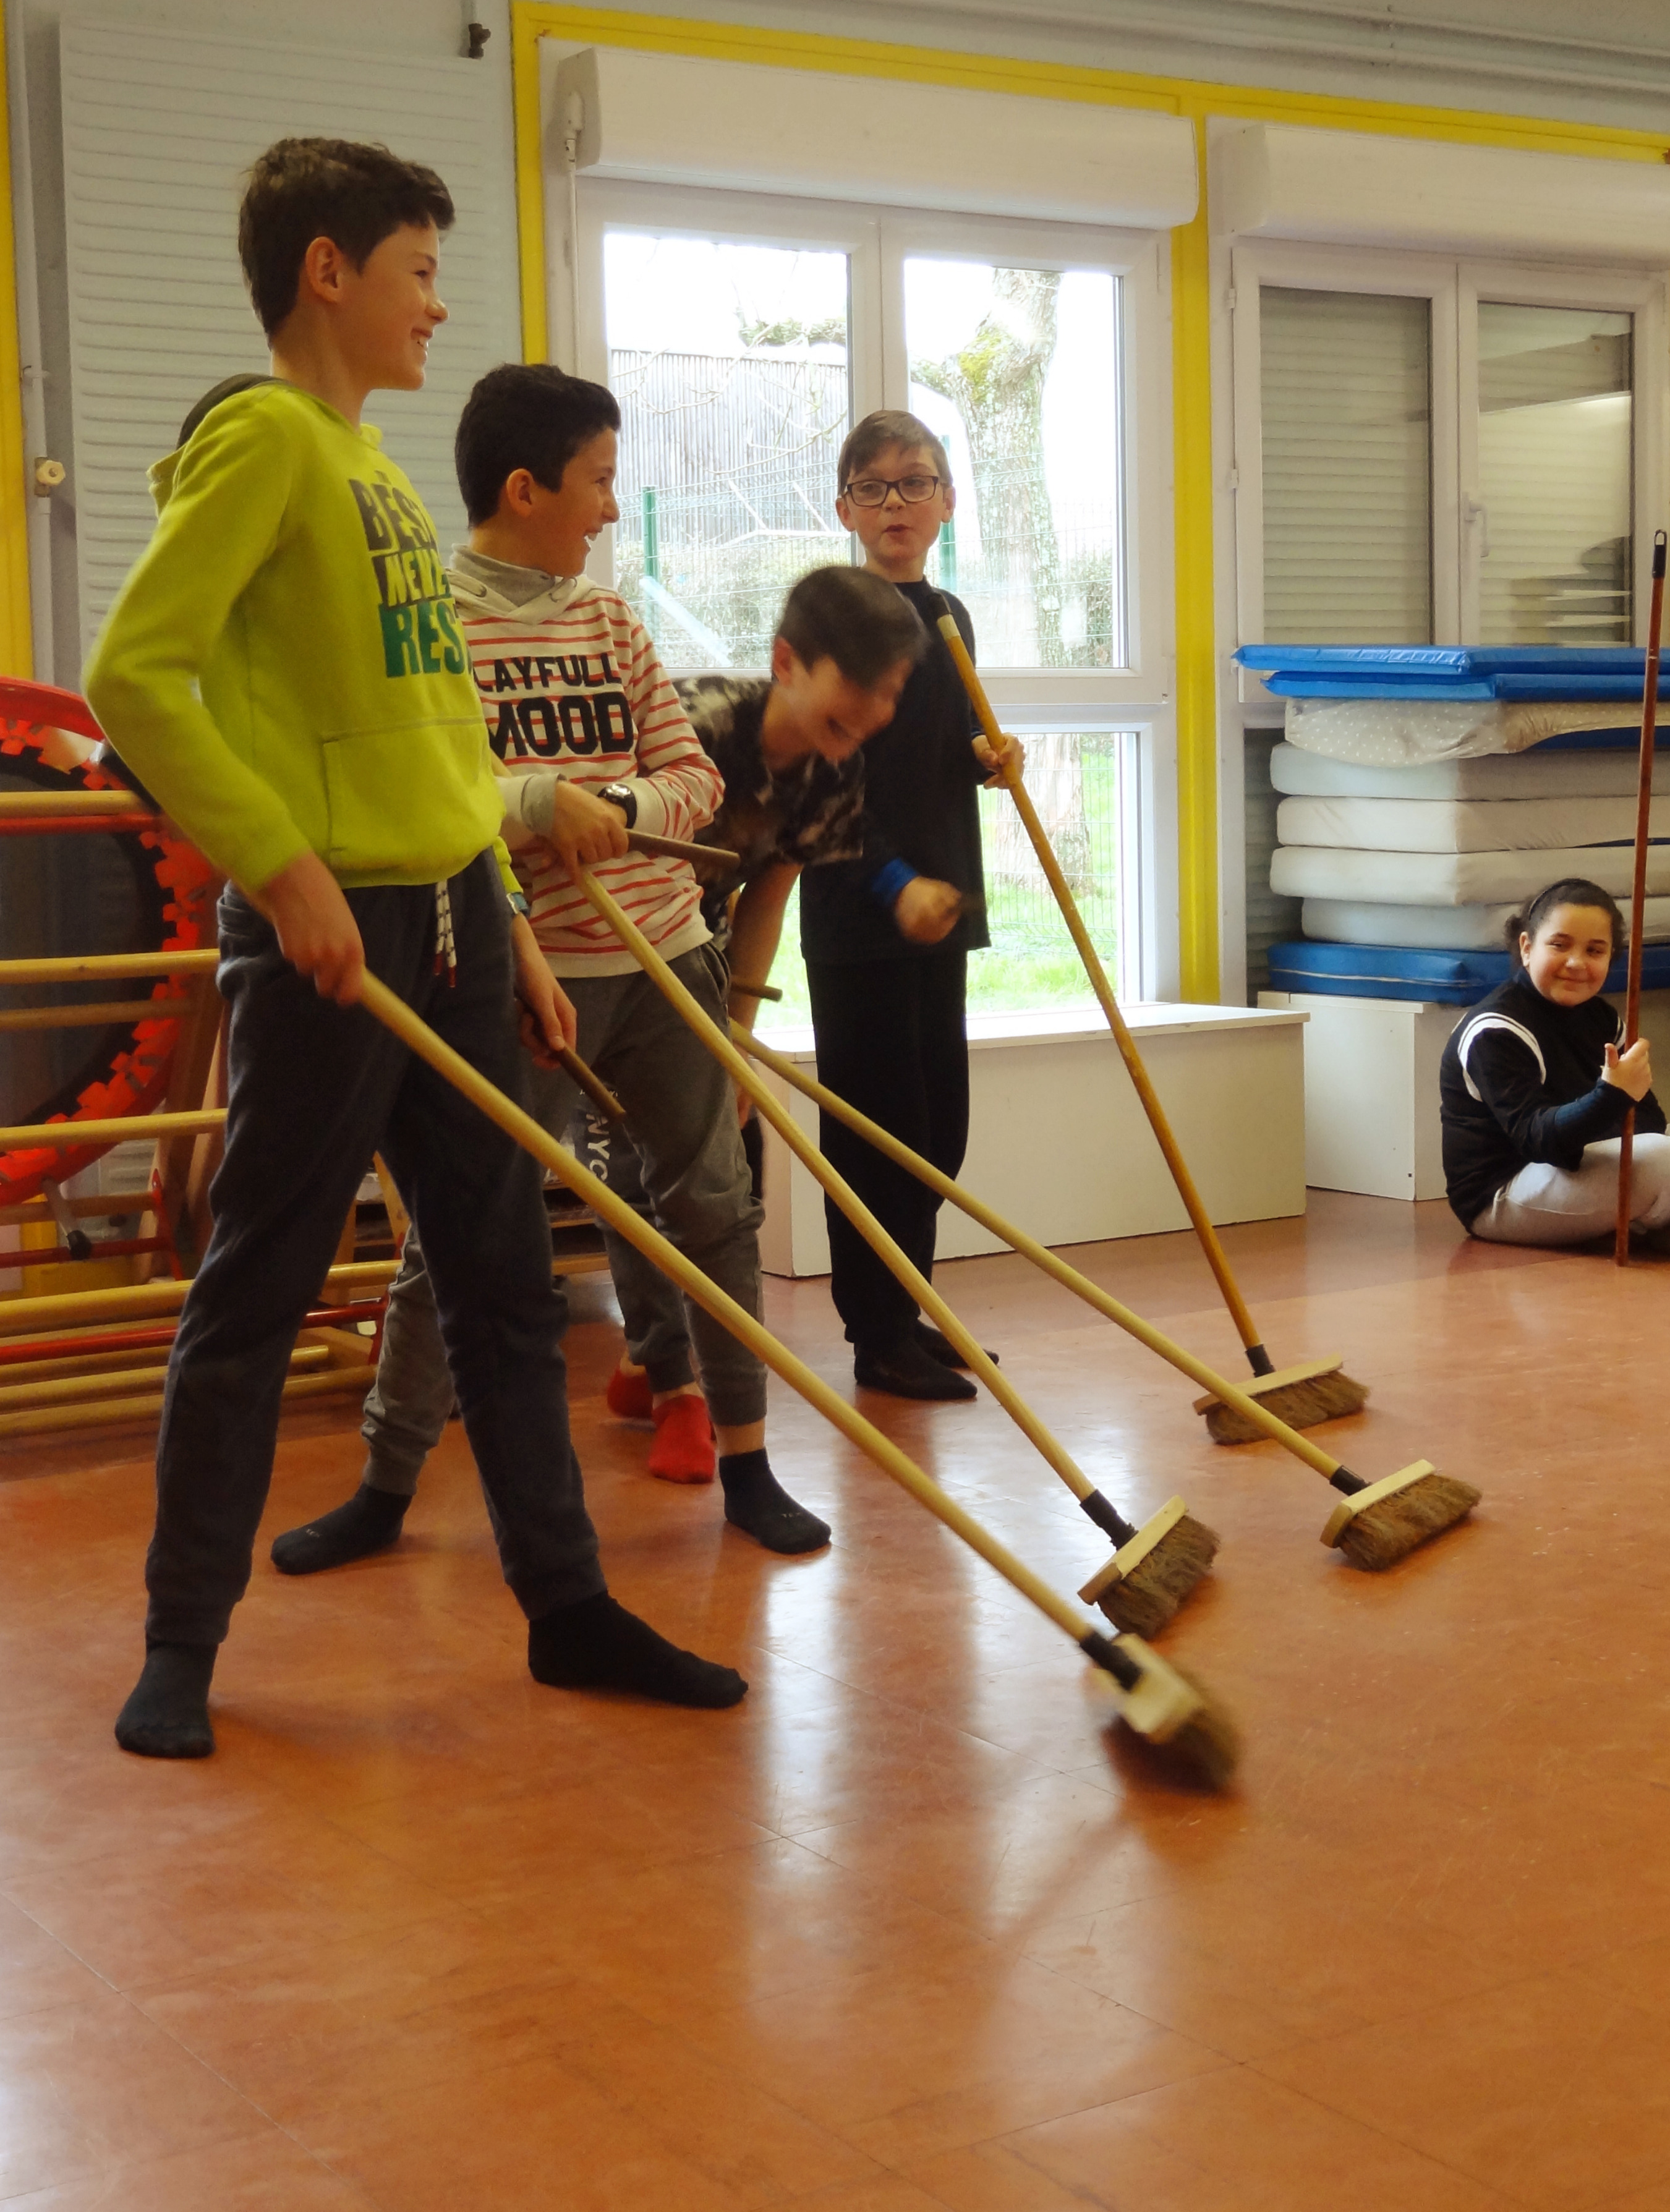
<point>1462,825</point>
<point>1403,732</point>
<point>1323,872</point>
<point>1438,928</point>
<point>1535,775</point>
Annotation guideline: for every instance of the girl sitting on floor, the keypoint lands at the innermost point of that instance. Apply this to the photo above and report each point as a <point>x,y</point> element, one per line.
<point>1533,1090</point>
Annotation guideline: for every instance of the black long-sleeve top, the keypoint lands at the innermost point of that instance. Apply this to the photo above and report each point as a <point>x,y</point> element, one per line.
<point>1519,1081</point>
<point>920,779</point>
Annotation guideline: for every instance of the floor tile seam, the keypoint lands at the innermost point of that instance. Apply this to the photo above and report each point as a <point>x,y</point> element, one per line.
<point>67,1949</point>
<point>1313,2096</point>
<point>1351,2119</point>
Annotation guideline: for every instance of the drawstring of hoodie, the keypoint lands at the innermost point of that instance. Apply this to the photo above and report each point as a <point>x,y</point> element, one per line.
<point>445,948</point>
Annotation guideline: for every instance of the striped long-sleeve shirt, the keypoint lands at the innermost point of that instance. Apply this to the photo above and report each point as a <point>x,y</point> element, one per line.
<point>572,687</point>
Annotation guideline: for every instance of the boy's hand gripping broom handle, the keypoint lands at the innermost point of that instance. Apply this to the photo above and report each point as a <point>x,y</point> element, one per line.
<point>1643,827</point>
<point>1158,1702</point>
<point>1258,1357</point>
<point>1384,1520</point>
<point>854,1208</point>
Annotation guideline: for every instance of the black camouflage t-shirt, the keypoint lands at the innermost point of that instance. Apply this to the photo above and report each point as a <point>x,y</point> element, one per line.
<point>813,811</point>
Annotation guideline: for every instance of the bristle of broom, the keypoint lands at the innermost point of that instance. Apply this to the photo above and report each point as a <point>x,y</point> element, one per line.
<point>1301,1405</point>
<point>1392,1528</point>
<point>1208,1744</point>
<point>1146,1599</point>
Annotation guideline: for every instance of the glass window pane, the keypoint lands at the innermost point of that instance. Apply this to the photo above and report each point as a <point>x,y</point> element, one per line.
<point>1016,369</point>
<point>1556,460</point>
<point>1075,779</point>
<point>1347,411</point>
<point>730,363</point>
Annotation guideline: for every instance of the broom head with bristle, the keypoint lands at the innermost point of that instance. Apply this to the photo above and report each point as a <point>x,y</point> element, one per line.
<point>1385,1522</point>
<point>1147,1580</point>
<point>1319,1391</point>
<point>1170,1709</point>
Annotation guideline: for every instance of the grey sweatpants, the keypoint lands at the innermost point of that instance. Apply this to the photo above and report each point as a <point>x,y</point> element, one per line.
<point>1547,1205</point>
<point>680,1113</point>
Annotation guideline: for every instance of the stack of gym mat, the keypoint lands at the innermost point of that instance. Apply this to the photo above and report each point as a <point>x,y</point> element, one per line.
<point>1427,792</point>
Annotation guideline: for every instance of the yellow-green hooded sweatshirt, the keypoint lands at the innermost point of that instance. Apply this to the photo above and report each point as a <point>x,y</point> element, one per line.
<point>284,668</point>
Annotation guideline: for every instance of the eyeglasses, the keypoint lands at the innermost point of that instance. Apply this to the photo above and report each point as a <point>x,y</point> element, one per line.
<point>872,491</point>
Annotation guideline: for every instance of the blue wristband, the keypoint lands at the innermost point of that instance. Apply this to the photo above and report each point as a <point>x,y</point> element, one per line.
<point>886,882</point>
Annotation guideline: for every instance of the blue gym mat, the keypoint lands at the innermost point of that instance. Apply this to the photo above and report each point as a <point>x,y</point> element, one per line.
<point>1362,661</point>
<point>1401,971</point>
<point>1454,672</point>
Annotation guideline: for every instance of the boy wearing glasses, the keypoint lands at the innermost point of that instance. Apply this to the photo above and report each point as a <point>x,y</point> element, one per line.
<point>887,936</point>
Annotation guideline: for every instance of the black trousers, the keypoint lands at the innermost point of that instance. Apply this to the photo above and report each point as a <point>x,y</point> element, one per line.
<point>315,1089</point>
<point>891,1041</point>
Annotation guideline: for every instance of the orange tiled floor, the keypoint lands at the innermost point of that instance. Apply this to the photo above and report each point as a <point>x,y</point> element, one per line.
<point>907,1931</point>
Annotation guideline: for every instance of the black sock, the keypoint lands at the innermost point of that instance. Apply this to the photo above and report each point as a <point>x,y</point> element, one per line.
<point>370,1522</point>
<point>166,1717</point>
<point>756,1503</point>
<point>598,1645</point>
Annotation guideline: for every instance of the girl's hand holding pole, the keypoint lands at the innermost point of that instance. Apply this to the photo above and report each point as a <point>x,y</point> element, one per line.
<point>1631,1071</point>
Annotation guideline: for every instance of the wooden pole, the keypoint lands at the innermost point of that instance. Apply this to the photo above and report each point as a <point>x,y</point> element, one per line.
<point>394,1012</point>
<point>145,1301</point>
<point>1246,1327</point>
<point>1643,828</point>
<point>66,1136</point>
<point>93,1017</point>
<point>96,966</point>
<point>1040,1255</point>
<point>885,1248</point>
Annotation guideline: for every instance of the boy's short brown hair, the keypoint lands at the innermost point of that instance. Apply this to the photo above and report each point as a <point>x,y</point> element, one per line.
<point>301,189</point>
<point>862,623</point>
<point>888,426</point>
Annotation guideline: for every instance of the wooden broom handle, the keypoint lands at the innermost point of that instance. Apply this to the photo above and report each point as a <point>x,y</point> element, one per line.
<point>1040,1255</point>
<point>1245,1326</point>
<point>419,1038</point>
<point>592,1084</point>
<point>675,848</point>
<point>719,1043</point>
<point>1643,825</point>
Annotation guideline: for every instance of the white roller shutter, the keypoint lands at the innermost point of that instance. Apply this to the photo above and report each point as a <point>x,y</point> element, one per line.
<point>158,129</point>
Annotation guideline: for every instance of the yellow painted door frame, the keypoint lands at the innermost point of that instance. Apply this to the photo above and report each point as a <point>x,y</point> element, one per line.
<point>1194,619</point>
<point>16,634</point>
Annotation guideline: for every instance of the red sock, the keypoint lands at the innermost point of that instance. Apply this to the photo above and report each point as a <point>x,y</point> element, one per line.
<point>683,1447</point>
<point>629,1397</point>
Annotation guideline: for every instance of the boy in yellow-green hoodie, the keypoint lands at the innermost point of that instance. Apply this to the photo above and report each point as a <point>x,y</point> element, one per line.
<point>285,671</point>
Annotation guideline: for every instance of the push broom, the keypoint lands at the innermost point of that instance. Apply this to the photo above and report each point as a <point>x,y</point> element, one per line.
<point>1643,819</point>
<point>1378,1524</point>
<point>1318,1390</point>
<point>1154,1700</point>
<point>1156,1566</point>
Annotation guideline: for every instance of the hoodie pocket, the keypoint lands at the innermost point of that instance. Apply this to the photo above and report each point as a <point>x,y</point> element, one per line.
<point>414,804</point>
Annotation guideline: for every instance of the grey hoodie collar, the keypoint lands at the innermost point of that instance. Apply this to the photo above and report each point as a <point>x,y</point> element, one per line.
<point>502,587</point>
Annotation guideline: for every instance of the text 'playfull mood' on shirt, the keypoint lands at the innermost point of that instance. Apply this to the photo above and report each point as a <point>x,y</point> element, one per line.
<point>572,687</point>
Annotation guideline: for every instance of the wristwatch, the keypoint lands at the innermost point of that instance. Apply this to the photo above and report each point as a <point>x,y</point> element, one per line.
<point>624,796</point>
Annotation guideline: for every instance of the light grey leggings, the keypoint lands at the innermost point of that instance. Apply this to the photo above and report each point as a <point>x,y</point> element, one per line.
<point>1568,1206</point>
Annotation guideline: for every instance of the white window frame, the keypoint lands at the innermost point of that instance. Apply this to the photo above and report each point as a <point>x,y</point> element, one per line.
<point>1455,289</point>
<point>1535,285</point>
<point>877,240</point>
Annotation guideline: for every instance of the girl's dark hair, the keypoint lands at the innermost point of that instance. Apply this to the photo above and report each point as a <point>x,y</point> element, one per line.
<point>525,414</point>
<point>301,189</point>
<point>1571,890</point>
<point>862,623</point>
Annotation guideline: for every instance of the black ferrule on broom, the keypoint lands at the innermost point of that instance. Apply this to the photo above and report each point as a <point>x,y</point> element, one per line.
<point>1643,824</point>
